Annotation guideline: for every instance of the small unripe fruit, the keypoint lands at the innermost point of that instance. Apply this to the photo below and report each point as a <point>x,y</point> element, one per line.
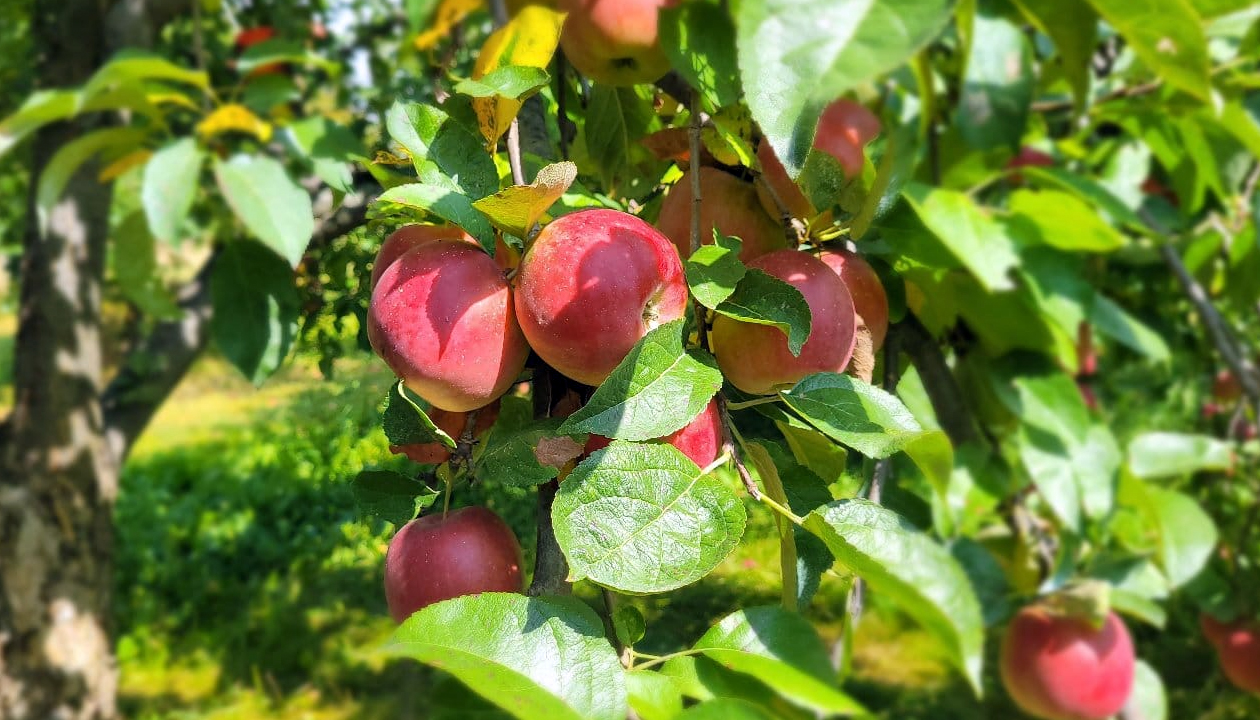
<point>435,558</point>
<point>614,42</point>
<point>442,318</point>
<point>1061,668</point>
<point>592,284</point>
<point>870,302</point>
<point>726,203</point>
<point>700,440</point>
<point>755,358</point>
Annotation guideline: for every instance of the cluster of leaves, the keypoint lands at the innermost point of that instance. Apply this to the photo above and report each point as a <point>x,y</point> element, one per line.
<point>1035,495</point>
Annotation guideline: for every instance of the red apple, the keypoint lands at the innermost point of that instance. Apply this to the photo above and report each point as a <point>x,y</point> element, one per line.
<point>435,558</point>
<point>442,318</point>
<point>700,439</point>
<point>1238,648</point>
<point>249,37</point>
<point>409,236</point>
<point>451,423</point>
<point>844,129</point>
<point>870,302</point>
<point>755,358</point>
<point>1061,668</point>
<point>591,285</point>
<point>1225,386</point>
<point>614,42</point>
<point>726,203</point>
<point>1030,157</point>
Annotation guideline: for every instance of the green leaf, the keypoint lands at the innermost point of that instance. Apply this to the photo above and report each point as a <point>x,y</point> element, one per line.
<point>273,208</point>
<point>764,299</point>
<point>998,84</point>
<point>510,81</point>
<point>614,120</point>
<point>271,52</point>
<point>542,658</point>
<point>975,239</point>
<point>862,416</point>
<point>406,423</point>
<point>726,709</point>
<point>1073,27</point>
<point>793,63</point>
<point>439,145</point>
<point>447,203</point>
<point>1187,534</point>
<point>629,624</point>
<point>255,308</point>
<point>781,649</point>
<point>653,695</point>
<point>699,40</point>
<point>644,519</point>
<point>876,543</point>
<point>1167,35</point>
<point>657,389</point>
<point>1168,454</point>
<point>135,269</point>
<point>70,157</point>
<point>510,456</point>
<point>330,146</point>
<point>391,496</point>
<point>1112,321</point>
<point>1060,220</point>
<point>41,108</point>
<point>171,178</point>
<point>1147,701</point>
<point>1085,188</point>
<point>713,271</point>
<point>130,67</point>
<point>517,208</point>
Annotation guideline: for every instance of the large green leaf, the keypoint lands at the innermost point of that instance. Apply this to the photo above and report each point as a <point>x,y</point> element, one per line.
<point>274,208</point>
<point>515,82</point>
<point>1187,534</point>
<point>1073,27</point>
<point>255,308</point>
<point>391,496</point>
<point>643,519</point>
<point>615,118</point>
<point>446,202</point>
<point>439,144</point>
<point>700,42</point>
<point>1062,221</point>
<point>135,269</point>
<point>783,650</point>
<point>171,178</point>
<point>1167,35</point>
<point>861,416</point>
<point>979,242</point>
<point>657,389</point>
<point>997,87</point>
<point>41,108</point>
<point>510,455</point>
<point>1167,454</point>
<point>796,56</point>
<point>714,271</point>
<point>70,157</point>
<point>764,299</point>
<point>542,658</point>
<point>910,570</point>
<point>1148,700</point>
<point>406,423</point>
<point>131,67</point>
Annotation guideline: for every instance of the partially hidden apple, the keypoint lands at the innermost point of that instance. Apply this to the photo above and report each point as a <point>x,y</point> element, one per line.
<point>1058,667</point>
<point>591,285</point>
<point>755,358</point>
<point>1238,648</point>
<point>451,423</point>
<point>1226,387</point>
<point>442,318</point>
<point>614,42</point>
<point>700,439</point>
<point>870,302</point>
<point>435,558</point>
<point>410,236</point>
<point>726,203</point>
<point>844,129</point>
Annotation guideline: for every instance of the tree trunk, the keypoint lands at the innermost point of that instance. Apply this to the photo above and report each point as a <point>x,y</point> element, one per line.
<point>58,478</point>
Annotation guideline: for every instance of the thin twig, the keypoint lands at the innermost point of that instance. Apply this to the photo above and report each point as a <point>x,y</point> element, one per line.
<point>562,101</point>
<point>1047,106</point>
<point>729,448</point>
<point>693,139</point>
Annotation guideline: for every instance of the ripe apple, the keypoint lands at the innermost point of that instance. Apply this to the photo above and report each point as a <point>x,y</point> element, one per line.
<point>869,299</point>
<point>249,37</point>
<point>409,236</point>
<point>442,318</point>
<point>451,423</point>
<point>844,129</point>
<point>700,439</point>
<point>726,203</point>
<point>755,358</point>
<point>591,285</point>
<point>435,558</point>
<point>1238,648</point>
<point>1226,387</point>
<point>614,42</point>
<point>1061,668</point>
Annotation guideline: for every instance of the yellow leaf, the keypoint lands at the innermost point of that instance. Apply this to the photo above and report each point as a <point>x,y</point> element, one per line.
<point>172,98</point>
<point>234,118</point>
<point>529,40</point>
<point>517,208</point>
<point>447,15</point>
<point>390,159</point>
<point>132,159</point>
